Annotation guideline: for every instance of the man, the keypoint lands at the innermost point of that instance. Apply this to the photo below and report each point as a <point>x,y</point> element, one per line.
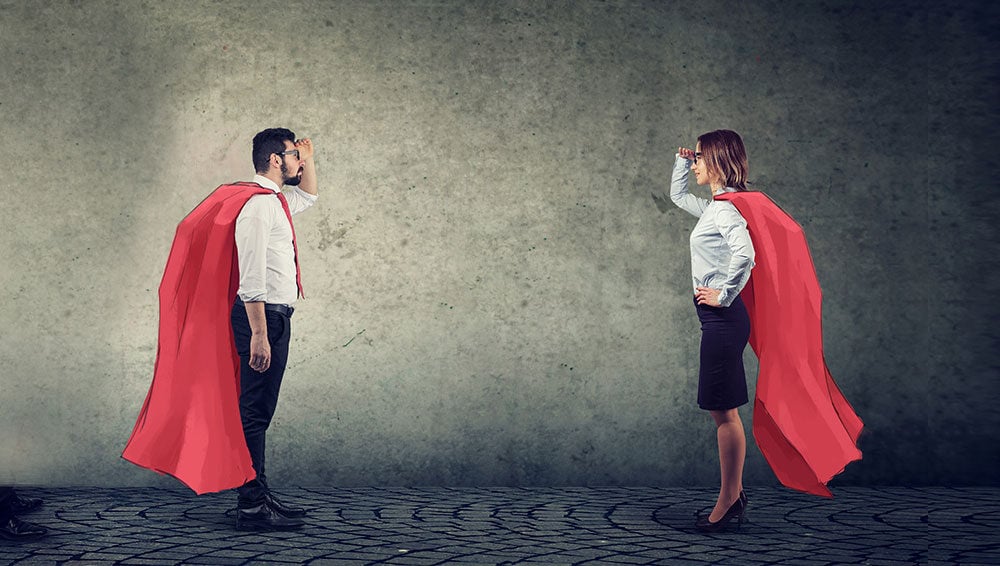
<point>12,528</point>
<point>262,312</point>
<point>225,307</point>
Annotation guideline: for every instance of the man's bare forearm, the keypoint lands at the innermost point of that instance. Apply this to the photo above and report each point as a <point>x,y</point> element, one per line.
<point>260,348</point>
<point>258,321</point>
<point>308,182</point>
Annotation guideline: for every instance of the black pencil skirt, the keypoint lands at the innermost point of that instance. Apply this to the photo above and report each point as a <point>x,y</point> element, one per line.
<point>722,381</point>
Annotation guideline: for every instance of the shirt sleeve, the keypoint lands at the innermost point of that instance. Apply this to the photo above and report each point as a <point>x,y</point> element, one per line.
<point>252,228</point>
<point>299,200</point>
<point>679,188</point>
<point>733,228</point>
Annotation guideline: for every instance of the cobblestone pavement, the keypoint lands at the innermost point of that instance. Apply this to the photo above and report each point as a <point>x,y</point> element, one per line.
<point>616,525</point>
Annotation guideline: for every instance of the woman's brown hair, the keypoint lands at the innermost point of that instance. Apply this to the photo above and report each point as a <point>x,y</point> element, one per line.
<point>724,153</point>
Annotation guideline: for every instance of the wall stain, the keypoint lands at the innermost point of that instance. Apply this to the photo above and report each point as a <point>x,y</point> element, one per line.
<point>661,203</point>
<point>328,234</point>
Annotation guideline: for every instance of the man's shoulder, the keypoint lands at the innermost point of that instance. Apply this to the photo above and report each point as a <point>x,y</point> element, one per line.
<point>269,196</point>
<point>236,191</point>
<point>262,204</point>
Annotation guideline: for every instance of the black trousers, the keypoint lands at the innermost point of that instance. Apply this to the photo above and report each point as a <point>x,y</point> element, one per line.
<point>6,503</point>
<point>259,390</point>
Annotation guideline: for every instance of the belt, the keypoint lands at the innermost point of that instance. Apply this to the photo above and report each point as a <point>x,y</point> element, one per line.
<point>274,307</point>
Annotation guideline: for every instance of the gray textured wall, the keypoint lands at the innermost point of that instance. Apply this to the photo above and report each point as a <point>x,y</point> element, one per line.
<point>495,295</point>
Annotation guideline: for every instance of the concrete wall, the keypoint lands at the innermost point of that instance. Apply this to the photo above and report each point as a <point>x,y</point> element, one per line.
<point>495,297</point>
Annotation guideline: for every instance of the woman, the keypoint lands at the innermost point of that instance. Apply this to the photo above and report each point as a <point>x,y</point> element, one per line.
<point>722,256</point>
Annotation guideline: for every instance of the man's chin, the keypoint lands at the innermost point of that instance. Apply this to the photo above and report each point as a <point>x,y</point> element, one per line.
<point>294,181</point>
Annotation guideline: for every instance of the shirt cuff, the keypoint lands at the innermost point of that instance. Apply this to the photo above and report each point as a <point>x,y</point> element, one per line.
<point>722,298</point>
<point>253,296</point>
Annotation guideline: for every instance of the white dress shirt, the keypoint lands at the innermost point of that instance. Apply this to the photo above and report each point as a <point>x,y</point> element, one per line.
<point>721,250</point>
<point>264,245</point>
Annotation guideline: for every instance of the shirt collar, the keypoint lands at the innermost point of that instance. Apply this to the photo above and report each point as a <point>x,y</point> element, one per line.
<point>724,191</point>
<point>266,183</point>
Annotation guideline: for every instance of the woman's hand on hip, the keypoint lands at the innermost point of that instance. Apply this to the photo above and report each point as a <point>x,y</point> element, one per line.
<point>707,296</point>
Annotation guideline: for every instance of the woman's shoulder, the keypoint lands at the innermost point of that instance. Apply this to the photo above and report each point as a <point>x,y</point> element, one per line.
<point>724,212</point>
<point>718,205</point>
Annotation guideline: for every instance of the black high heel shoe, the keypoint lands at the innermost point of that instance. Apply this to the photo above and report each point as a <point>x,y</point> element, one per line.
<point>736,511</point>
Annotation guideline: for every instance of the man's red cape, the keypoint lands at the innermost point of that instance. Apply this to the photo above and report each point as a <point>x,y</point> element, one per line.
<point>189,426</point>
<point>802,423</point>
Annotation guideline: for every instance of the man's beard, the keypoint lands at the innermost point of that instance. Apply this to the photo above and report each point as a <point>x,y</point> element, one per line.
<point>291,180</point>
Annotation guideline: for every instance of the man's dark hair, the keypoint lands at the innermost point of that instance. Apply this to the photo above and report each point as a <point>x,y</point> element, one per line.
<point>271,140</point>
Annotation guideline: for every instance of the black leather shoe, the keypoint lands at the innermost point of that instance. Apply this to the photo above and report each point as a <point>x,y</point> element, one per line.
<point>264,517</point>
<point>282,509</point>
<point>16,529</point>
<point>21,505</point>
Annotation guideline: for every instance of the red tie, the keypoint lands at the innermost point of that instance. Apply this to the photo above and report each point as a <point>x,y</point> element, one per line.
<point>295,246</point>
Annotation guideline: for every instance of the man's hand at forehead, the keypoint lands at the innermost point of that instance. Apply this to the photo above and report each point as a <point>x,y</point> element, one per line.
<point>305,147</point>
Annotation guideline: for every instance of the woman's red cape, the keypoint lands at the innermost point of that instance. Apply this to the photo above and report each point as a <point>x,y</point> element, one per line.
<point>802,423</point>
<point>189,426</point>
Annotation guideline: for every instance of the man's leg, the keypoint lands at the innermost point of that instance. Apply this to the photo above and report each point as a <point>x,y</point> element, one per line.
<point>258,400</point>
<point>259,390</point>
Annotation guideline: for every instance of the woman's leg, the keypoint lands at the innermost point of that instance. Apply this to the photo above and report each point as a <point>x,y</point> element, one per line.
<point>732,452</point>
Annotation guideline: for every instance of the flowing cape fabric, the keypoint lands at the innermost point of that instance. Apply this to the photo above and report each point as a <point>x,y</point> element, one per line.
<point>189,426</point>
<point>802,423</point>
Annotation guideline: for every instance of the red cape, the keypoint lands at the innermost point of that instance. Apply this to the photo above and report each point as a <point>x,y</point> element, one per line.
<point>802,423</point>
<point>189,426</point>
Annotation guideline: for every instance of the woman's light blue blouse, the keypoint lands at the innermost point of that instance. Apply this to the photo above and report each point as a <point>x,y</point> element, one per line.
<point>721,251</point>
